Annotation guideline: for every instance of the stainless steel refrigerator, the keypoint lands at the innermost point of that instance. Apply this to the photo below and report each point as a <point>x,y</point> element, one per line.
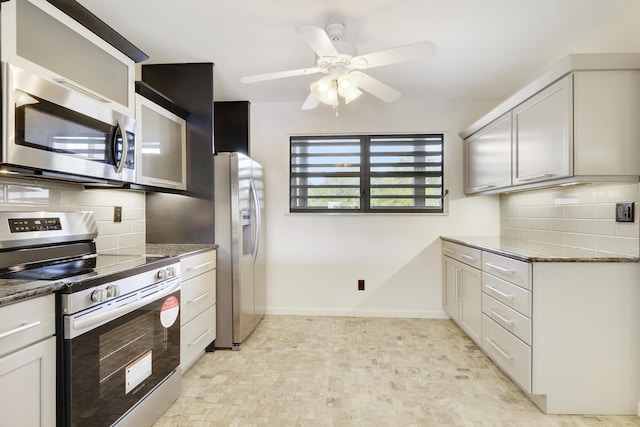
<point>239,233</point>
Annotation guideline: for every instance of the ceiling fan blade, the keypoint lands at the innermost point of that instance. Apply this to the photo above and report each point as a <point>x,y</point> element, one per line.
<point>394,55</point>
<point>318,40</point>
<point>376,87</point>
<point>311,102</point>
<point>279,75</point>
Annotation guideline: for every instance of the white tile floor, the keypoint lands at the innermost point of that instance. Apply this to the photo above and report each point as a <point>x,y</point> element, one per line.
<point>338,371</point>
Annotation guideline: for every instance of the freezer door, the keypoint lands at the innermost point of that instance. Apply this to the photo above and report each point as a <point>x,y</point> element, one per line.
<point>260,249</point>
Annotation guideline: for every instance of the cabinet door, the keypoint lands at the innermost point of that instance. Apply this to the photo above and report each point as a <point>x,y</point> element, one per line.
<point>471,302</point>
<point>27,386</point>
<point>451,292</point>
<point>542,138</point>
<point>162,148</point>
<point>488,157</point>
<point>62,50</point>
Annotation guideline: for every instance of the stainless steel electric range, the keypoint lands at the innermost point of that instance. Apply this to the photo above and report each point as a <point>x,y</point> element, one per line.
<point>118,318</point>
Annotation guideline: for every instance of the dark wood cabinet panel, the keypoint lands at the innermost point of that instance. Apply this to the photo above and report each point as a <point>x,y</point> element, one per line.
<point>231,126</point>
<point>188,217</point>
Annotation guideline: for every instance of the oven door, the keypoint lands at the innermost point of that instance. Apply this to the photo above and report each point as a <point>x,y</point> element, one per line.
<point>51,127</point>
<point>110,368</point>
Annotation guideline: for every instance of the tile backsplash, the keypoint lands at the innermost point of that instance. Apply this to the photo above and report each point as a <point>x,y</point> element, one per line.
<point>38,195</point>
<point>581,216</point>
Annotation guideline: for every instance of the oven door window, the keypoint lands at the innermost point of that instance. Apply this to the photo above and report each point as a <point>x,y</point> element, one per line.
<point>117,364</point>
<point>46,126</point>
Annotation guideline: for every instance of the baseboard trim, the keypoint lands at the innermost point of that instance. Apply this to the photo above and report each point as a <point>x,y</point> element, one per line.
<point>402,314</point>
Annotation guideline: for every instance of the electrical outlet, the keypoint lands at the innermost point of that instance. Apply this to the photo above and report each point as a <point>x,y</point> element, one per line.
<point>624,212</point>
<point>361,285</point>
<point>117,214</point>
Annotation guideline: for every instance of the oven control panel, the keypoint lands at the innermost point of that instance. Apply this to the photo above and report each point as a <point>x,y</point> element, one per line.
<point>22,225</point>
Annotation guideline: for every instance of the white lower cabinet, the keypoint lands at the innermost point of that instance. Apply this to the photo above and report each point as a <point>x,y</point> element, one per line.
<point>568,333</point>
<point>462,289</point>
<point>198,306</point>
<point>28,363</point>
<point>510,353</point>
<point>198,334</point>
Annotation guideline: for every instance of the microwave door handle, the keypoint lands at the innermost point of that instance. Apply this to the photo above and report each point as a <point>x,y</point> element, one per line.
<point>125,145</point>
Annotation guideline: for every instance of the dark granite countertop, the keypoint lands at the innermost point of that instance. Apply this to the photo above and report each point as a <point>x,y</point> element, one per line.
<point>537,252</point>
<point>15,290</point>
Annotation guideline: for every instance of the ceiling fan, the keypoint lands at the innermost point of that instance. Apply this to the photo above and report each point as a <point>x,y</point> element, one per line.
<point>341,65</point>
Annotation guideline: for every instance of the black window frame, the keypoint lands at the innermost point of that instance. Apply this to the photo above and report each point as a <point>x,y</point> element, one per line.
<point>299,191</point>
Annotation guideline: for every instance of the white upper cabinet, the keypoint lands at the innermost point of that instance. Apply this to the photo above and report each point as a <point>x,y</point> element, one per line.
<point>606,109</point>
<point>38,37</point>
<point>542,128</point>
<point>161,146</point>
<point>488,157</point>
<point>576,123</point>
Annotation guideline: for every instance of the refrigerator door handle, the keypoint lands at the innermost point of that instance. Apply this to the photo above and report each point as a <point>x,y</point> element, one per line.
<point>258,216</point>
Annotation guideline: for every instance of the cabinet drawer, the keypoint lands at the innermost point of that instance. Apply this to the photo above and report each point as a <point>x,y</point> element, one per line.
<point>26,322</point>
<point>514,271</point>
<point>196,335</point>
<point>465,254</point>
<point>507,351</point>
<point>513,296</point>
<point>197,295</point>
<point>507,317</point>
<point>194,265</point>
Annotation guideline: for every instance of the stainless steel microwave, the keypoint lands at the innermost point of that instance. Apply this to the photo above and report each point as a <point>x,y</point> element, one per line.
<point>63,132</point>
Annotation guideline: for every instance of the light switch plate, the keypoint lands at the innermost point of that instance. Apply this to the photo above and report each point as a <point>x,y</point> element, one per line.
<point>624,212</point>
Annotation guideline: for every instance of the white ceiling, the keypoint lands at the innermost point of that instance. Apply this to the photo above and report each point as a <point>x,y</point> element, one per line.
<point>486,48</point>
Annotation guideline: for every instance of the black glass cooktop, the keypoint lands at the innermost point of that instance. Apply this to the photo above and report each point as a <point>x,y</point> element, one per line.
<point>80,269</point>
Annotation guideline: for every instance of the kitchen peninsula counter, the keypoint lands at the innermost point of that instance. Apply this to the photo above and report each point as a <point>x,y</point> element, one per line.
<point>529,251</point>
<point>15,290</point>
<point>550,317</point>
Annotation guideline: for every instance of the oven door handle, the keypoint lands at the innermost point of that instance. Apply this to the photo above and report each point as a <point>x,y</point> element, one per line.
<point>109,314</point>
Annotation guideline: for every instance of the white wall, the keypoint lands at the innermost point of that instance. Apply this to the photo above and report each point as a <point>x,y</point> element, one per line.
<point>314,261</point>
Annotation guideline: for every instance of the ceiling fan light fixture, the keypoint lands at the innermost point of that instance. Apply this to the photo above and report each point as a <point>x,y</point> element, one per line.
<point>325,90</point>
<point>347,85</point>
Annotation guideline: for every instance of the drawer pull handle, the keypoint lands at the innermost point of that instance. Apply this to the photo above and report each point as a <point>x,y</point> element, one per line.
<point>483,187</point>
<point>469,257</point>
<point>498,349</point>
<point>501,318</point>
<point>449,251</point>
<point>160,183</point>
<point>200,266</point>
<point>204,334</point>
<point>20,329</point>
<point>191,301</point>
<point>499,292</point>
<point>534,178</point>
<point>73,86</point>
<point>502,269</point>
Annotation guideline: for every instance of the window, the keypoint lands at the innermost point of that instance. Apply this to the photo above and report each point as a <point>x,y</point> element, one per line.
<point>366,173</point>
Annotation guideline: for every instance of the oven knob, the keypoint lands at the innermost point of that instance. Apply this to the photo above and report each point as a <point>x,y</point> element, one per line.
<point>172,271</point>
<point>113,291</point>
<point>98,295</point>
<point>162,274</point>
